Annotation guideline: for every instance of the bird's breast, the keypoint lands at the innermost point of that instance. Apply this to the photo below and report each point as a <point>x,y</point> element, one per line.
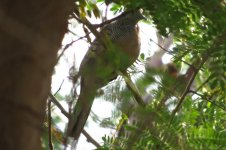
<point>129,44</point>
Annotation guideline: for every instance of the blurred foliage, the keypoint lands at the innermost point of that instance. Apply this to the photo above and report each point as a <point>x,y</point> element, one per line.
<point>199,35</point>
<point>199,29</point>
<point>56,134</point>
<point>57,138</point>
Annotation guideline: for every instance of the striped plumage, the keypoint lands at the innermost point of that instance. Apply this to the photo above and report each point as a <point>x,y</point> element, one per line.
<point>100,65</point>
<point>123,26</point>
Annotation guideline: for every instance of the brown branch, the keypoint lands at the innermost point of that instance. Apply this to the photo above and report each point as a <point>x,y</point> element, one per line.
<point>90,139</point>
<point>91,27</point>
<point>50,125</point>
<point>65,113</point>
<point>186,90</point>
<point>132,88</point>
<point>183,81</point>
<point>59,106</point>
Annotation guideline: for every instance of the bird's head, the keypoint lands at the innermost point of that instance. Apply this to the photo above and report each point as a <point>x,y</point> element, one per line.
<point>130,17</point>
<point>134,16</point>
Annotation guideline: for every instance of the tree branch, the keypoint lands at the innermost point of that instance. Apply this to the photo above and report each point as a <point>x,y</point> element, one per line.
<point>206,81</point>
<point>200,62</point>
<point>90,139</point>
<point>70,44</point>
<point>168,51</point>
<point>65,113</point>
<point>207,99</point>
<point>132,88</point>
<point>186,90</point>
<point>59,88</point>
<point>50,125</point>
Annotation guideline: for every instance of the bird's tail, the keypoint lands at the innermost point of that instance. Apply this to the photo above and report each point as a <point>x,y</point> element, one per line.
<point>80,114</point>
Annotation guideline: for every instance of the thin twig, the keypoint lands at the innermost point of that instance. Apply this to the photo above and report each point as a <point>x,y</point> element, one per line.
<point>207,99</point>
<point>72,33</point>
<point>70,44</point>
<point>65,113</point>
<point>169,51</point>
<point>59,106</point>
<point>87,32</point>
<point>206,81</point>
<point>50,125</point>
<point>105,14</point>
<point>59,88</point>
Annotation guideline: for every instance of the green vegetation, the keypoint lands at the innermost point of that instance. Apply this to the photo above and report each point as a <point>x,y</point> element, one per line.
<point>186,112</point>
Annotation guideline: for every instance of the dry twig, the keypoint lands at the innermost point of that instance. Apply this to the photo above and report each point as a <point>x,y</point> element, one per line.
<point>50,125</point>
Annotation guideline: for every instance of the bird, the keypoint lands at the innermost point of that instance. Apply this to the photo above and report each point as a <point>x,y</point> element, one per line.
<point>101,64</point>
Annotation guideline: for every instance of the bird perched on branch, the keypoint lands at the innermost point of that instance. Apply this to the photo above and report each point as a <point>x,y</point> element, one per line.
<point>117,49</point>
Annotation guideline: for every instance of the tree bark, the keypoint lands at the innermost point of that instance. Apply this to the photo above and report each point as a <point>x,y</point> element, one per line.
<point>31,32</point>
